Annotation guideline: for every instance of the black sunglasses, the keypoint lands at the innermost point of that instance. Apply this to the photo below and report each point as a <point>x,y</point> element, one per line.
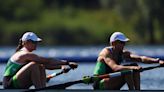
<point>121,42</point>
<point>34,42</point>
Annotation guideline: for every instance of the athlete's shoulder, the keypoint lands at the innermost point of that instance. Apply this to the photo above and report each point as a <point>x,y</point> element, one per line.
<point>104,51</point>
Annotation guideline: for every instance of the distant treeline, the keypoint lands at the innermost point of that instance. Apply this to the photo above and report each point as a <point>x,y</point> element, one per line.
<point>82,22</point>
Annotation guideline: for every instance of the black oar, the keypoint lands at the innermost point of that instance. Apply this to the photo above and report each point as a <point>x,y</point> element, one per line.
<point>53,74</point>
<point>88,79</point>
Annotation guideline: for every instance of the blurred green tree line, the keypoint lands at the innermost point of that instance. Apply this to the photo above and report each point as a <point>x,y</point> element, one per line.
<point>82,22</point>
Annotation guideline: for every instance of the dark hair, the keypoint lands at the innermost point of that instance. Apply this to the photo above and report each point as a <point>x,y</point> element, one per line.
<point>19,46</point>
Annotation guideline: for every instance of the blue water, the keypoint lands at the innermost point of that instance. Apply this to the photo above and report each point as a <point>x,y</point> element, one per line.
<point>150,80</point>
<point>82,53</point>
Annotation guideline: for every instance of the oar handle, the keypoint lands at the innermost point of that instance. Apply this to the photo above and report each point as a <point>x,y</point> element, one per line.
<point>56,74</point>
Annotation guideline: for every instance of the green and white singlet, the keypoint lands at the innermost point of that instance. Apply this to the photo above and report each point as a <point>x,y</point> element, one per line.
<point>12,68</point>
<point>102,68</point>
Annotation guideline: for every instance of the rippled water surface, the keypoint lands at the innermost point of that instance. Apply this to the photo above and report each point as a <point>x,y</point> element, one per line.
<point>150,80</point>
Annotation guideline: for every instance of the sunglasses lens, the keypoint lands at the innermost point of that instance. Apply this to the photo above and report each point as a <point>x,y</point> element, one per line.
<point>34,42</point>
<point>121,42</point>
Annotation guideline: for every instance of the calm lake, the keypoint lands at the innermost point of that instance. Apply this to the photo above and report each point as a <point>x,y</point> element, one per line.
<point>86,57</point>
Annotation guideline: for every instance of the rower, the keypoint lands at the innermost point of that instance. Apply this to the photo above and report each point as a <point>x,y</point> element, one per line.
<point>110,59</point>
<point>25,68</point>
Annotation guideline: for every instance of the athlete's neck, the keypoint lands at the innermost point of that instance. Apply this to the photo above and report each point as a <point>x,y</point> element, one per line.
<point>25,49</point>
<point>117,51</point>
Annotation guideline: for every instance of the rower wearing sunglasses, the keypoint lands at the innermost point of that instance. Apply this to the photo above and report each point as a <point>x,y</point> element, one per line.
<point>110,59</point>
<point>24,68</point>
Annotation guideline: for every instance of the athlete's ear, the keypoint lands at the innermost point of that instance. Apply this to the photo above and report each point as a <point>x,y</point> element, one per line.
<point>24,42</point>
<point>113,43</point>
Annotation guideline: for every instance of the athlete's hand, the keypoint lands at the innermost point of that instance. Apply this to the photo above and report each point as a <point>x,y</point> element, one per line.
<point>161,62</point>
<point>65,68</point>
<point>135,67</point>
<point>73,65</point>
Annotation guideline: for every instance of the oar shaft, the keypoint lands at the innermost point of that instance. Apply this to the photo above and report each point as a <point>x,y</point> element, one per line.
<point>53,75</point>
<point>56,74</point>
<point>151,67</point>
<point>91,79</point>
<point>116,74</point>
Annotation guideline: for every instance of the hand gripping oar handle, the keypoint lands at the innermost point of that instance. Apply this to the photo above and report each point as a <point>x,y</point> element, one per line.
<point>56,74</point>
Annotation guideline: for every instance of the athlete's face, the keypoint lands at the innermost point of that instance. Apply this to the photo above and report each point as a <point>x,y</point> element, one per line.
<point>119,45</point>
<point>34,44</point>
<point>31,45</point>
